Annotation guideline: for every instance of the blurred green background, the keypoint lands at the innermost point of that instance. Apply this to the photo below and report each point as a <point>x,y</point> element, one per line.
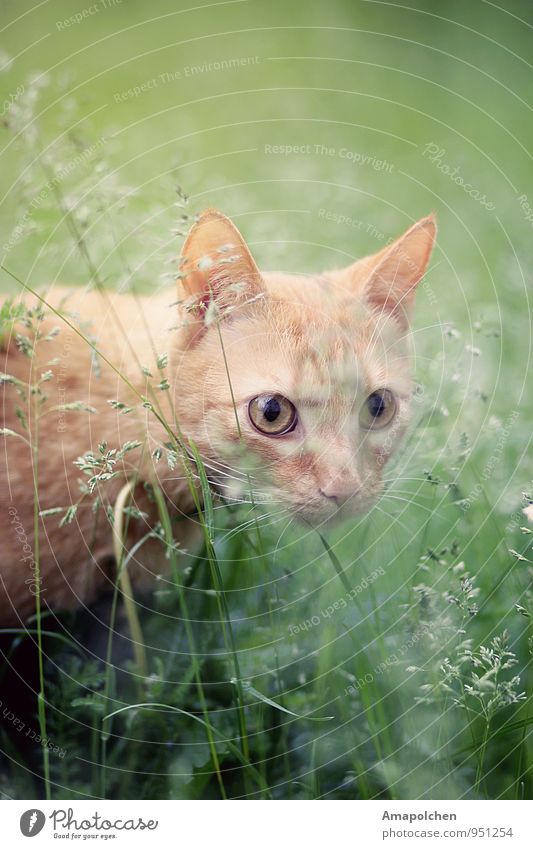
<point>323,130</point>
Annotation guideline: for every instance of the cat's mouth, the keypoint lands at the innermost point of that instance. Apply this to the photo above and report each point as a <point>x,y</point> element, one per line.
<point>339,500</point>
<point>316,507</point>
<point>330,509</point>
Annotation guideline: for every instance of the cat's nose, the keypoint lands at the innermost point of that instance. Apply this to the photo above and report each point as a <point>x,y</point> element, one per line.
<point>340,492</point>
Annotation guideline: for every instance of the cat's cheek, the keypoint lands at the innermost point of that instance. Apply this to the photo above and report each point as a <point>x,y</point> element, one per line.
<point>219,431</point>
<point>383,444</point>
<point>381,455</point>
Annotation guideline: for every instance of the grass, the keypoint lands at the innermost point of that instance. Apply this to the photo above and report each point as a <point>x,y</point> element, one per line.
<point>390,658</point>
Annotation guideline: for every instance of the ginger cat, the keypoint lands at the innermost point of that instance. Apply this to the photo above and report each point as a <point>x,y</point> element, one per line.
<point>295,391</point>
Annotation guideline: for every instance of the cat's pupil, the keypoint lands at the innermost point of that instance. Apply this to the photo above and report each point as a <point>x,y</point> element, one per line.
<point>376,405</point>
<point>271,409</point>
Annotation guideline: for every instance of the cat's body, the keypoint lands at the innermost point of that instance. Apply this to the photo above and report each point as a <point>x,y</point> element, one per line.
<point>314,348</point>
<point>75,561</point>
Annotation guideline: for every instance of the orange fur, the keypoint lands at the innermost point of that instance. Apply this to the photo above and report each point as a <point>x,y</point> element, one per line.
<point>323,342</point>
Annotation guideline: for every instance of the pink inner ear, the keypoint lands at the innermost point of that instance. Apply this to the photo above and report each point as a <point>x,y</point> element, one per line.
<point>391,282</point>
<point>217,263</point>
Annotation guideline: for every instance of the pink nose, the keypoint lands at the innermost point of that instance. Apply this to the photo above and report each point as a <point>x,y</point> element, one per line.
<point>341,492</point>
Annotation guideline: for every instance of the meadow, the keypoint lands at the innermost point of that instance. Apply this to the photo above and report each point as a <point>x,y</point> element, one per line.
<point>390,657</point>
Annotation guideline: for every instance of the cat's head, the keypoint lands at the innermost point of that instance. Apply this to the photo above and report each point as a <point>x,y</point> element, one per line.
<point>296,389</point>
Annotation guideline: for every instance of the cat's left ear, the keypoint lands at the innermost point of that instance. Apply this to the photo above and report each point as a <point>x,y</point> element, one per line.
<point>216,266</point>
<point>391,276</point>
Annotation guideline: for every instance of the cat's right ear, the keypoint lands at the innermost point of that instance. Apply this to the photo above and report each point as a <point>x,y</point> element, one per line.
<point>389,278</point>
<point>217,271</point>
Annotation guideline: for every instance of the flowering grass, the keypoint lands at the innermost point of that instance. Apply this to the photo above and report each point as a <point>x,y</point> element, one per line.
<point>389,658</point>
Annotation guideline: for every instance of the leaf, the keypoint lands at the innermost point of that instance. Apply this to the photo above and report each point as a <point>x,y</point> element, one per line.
<point>6,431</point>
<point>206,490</point>
<point>69,515</point>
<point>211,728</point>
<point>518,555</point>
<point>21,417</point>
<point>204,263</point>
<point>256,694</point>
<point>528,512</point>
<point>93,703</point>
<point>211,314</point>
<point>119,405</point>
<point>9,378</point>
<point>25,631</point>
<point>128,446</point>
<point>172,458</point>
<point>336,564</point>
<point>51,511</point>
<point>80,406</point>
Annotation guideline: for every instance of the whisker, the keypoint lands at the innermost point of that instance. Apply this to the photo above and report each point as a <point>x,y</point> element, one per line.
<point>395,518</point>
<point>431,511</point>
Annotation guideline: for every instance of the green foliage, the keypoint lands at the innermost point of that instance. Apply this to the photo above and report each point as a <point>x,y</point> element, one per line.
<point>421,678</point>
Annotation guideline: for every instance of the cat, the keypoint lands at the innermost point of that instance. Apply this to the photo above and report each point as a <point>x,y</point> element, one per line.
<point>294,390</point>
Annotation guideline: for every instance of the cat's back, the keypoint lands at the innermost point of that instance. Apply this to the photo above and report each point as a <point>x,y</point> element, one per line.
<point>88,327</point>
<point>56,406</point>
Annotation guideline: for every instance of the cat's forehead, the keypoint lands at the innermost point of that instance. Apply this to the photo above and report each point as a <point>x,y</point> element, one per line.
<point>316,356</point>
<point>331,332</point>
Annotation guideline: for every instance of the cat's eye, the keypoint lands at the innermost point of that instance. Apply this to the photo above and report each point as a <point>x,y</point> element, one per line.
<point>379,409</point>
<point>272,414</point>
